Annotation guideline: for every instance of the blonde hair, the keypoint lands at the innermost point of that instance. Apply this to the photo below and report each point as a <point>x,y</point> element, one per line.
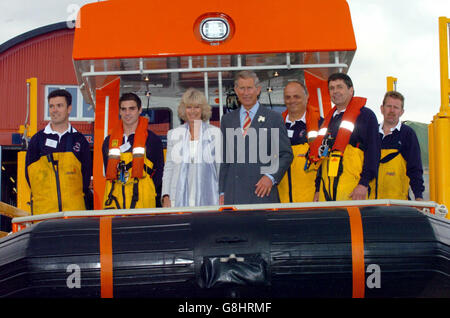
<point>194,97</point>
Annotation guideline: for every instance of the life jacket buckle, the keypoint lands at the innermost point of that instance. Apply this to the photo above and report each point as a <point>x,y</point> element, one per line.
<point>123,172</point>
<point>326,145</point>
<point>323,151</point>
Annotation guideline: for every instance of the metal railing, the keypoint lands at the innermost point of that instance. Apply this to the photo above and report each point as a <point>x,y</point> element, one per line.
<point>428,207</point>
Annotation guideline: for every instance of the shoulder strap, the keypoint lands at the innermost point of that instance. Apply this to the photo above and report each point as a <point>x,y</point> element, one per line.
<point>349,118</point>
<point>314,149</point>
<point>312,123</point>
<point>139,145</point>
<point>389,157</point>
<point>115,141</point>
<point>345,129</point>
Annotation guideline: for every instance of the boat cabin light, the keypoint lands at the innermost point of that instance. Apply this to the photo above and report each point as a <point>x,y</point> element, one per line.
<point>214,29</point>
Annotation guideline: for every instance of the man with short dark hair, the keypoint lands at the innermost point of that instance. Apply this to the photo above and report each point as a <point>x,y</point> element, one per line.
<point>59,162</point>
<point>400,164</point>
<point>347,147</point>
<point>133,159</point>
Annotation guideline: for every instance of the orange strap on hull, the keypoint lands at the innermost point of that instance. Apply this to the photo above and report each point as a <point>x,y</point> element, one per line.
<point>106,258</point>
<point>357,239</point>
<point>358,266</point>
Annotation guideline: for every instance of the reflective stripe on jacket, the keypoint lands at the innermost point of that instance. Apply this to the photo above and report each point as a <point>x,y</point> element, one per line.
<point>126,192</point>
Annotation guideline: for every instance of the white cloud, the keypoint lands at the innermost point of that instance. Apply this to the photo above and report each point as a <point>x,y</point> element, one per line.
<point>20,16</point>
<point>394,38</point>
<point>400,39</point>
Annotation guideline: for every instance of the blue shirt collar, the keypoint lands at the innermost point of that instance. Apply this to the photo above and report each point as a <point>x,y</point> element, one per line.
<point>252,110</point>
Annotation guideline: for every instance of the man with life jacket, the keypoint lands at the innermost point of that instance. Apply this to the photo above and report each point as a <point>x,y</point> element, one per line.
<point>302,124</point>
<point>347,147</point>
<point>59,162</point>
<point>133,159</point>
<point>400,163</point>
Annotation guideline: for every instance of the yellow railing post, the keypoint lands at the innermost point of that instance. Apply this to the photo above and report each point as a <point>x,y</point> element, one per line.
<point>391,83</point>
<point>443,53</point>
<point>32,128</point>
<point>23,190</point>
<point>431,165</point>
<point>439,146</point>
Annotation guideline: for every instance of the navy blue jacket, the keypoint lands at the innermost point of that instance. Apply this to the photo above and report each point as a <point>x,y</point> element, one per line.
<point>364,137</point>
<point>79,146</point>
<point>407,143</point>
<point>300,135</point>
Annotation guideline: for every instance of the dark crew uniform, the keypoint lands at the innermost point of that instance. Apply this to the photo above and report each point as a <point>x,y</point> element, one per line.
<point>362,164</point>
<point>59,170</point>
<point>400,165</point>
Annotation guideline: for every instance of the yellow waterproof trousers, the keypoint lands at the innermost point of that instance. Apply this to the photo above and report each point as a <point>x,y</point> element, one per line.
<point>56,183</point>
<point>130,193</point>
<point>298,184</point>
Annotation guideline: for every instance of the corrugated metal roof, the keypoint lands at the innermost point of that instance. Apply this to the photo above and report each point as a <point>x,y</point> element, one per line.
<point>32,34</point>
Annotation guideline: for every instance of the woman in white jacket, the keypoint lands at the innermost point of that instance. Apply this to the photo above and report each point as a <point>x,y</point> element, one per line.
<point>191,171</point>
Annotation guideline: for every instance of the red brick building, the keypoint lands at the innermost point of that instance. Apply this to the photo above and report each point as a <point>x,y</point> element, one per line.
<point>46,54</point>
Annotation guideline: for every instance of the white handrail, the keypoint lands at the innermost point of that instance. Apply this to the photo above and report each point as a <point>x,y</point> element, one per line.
<point>212,69</point>
<point>241,207</point>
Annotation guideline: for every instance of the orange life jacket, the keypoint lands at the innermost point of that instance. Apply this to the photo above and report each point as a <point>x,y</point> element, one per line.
<point>115,141</point>
<point>345,129</point>
<point>312,122</point>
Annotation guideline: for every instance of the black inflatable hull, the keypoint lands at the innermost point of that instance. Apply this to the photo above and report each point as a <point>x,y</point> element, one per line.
<point>276,254</point>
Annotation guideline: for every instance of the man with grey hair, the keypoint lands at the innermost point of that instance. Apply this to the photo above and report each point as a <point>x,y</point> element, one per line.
<point>302,124</point>
<point>256,148</point>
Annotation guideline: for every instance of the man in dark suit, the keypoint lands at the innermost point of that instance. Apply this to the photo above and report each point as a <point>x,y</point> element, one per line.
<point>256,148</point>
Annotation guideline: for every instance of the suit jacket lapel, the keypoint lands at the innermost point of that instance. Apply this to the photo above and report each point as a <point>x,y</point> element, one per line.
<point>236,121</point>
<point>261,113</point>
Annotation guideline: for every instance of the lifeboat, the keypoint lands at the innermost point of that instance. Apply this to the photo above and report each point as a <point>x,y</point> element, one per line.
<point>384,248</point>
<point>380,248</point>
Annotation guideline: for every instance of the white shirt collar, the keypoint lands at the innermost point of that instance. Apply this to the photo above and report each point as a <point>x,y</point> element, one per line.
<point>252,110</point>
<point>337,112</point>
<point>381,131</point>
<point>48,130</point>
<point>303,119</point>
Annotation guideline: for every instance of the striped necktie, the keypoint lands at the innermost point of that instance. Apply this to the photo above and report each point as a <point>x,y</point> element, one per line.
<point>247,122</point>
